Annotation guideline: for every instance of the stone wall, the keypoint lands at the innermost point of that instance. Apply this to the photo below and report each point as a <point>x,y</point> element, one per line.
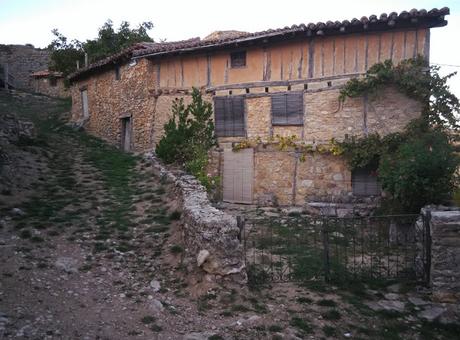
<point>283,178</point>
<point>42,85</point>
<point>445,250</point>
<point>110,100</point>
<point>212,237</point>
<point>23,60</point>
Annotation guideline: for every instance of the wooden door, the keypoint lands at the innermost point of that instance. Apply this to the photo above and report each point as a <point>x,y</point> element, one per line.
<point>84,100</point>
<point>126,134</point>
<point>238,176</point>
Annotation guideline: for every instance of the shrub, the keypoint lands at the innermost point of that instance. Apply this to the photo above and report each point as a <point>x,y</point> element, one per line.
<point>421,171</point>
<point>189,135</point>
<point>417,166</point>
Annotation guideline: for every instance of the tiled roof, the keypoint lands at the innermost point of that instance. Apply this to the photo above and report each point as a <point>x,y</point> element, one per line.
<point>413,18</point>
<point>46,73</point>
<point>126,54</point>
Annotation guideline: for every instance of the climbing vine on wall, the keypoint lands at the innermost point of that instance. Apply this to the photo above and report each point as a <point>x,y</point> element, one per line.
<point>283,143</point>
<point>418,165</point>
<point>418,80</point>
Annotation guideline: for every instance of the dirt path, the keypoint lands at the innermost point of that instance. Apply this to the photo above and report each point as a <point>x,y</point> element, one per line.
<point>94,253</point>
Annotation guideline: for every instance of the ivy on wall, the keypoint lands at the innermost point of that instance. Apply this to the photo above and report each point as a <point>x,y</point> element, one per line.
<point>416,166</point>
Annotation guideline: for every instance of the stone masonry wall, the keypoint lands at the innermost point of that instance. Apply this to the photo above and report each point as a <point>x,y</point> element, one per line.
<point>212,237</point>
<point>281,177</point>
<point>110,100</point>
<point>42,85</point>
<point>23,60</point>
<point>445,260</point>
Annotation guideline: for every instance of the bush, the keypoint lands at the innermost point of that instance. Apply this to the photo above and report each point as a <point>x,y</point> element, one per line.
<point>189,135</point>
<point>420,172</point>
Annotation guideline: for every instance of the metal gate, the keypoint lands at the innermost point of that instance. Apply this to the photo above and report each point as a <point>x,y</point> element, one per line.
<point>310,248</point>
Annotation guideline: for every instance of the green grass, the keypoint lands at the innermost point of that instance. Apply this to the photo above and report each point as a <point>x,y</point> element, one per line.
<point>329,331</point>
<point>304,300</point>
<point>326,303</point>
<point>332,314</point>
<point>148,319</point>
<point>301,324</point>
<point>275,328</point>
<point>176,249</point>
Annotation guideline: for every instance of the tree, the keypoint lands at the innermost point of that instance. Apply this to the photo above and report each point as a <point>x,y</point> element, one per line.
<point>110,41</point>
<point>64,54</point>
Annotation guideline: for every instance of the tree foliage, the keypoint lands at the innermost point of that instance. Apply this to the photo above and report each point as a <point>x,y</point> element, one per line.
<point>418,165</point>
<point>421,171</point>
<point>65,53</point>
<point>111,40</point>
<point>188,136</point>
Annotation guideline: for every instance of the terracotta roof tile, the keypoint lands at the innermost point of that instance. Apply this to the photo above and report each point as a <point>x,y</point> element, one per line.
<point>46,73</point>
<point>413,18</point>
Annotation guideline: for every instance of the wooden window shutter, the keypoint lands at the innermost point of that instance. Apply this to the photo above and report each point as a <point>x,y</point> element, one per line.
<point>238,116</point>
<point>219,116</point>
<point>364,183</point>
<point>287,109</point>
<point>229,116</point>
<point>294,104</point>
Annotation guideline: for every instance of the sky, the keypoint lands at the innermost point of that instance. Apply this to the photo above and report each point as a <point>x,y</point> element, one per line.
<point>31,21</point>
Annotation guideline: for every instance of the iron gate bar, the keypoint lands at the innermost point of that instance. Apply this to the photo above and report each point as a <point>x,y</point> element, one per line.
<point>288,248</point>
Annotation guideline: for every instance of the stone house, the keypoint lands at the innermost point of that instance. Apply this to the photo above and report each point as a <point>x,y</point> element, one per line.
<point>20,61</point>
<point>280,82</point>
<point>49,83</point>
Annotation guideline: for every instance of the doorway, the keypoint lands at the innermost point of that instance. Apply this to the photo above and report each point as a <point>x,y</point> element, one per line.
<point>126,134</point>
<point>238,176</point>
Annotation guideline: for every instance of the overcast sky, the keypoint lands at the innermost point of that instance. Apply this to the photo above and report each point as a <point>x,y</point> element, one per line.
<point>31,21</point>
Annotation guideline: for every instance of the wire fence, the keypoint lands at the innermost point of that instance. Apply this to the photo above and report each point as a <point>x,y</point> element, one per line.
<point>281,249</point>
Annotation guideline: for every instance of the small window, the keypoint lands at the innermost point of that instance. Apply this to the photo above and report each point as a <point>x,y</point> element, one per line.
<point>117,72</point>
<point>364,182</point>
<point>287,108</point>
<point>229,116</point>
<point>53,82</point>
<point>238,59</point>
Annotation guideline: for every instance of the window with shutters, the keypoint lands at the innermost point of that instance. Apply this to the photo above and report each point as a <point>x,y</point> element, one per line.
<point>238,59</point>
<point>364,182</point>
<point>229,116</point>
<point>287,108</point>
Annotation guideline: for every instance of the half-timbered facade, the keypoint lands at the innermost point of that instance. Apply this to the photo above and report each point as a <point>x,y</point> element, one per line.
<point>279,82</point>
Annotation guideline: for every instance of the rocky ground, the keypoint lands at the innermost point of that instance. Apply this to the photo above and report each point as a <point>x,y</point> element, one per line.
<point>93,252</point>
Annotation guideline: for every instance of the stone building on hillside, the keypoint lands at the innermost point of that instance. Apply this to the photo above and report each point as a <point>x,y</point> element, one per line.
<point>276,82</point>
<point>20,61</point>
<point>49,83</point>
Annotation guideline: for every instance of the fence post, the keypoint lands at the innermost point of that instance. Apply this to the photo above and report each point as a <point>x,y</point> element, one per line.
<point>325,235</point>
<point>242,237</point>
<point>427,245</point>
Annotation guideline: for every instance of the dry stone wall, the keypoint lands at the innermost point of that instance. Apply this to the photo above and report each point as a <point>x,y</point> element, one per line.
<point>445,250</point>
<point>212,237</point>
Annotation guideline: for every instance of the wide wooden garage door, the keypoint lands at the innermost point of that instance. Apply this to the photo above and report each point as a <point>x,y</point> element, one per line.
<point>238,176</point>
